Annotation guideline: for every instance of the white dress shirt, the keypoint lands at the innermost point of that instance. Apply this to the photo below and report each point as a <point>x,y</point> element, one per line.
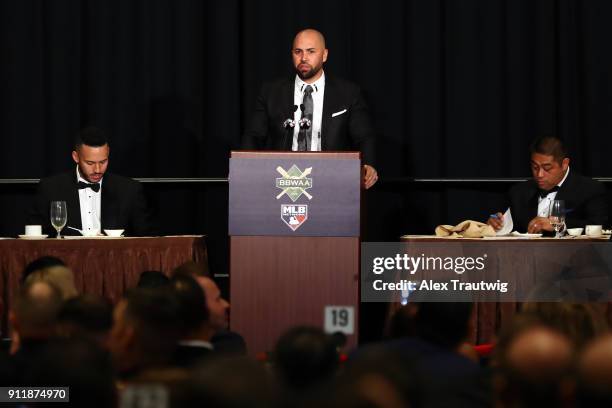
<point>544,202</point>
<point>318,90</point>
<point>91,205</point>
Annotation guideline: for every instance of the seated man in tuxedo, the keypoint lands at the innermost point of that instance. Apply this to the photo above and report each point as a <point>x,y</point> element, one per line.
<point>95,200</point>
<point>312,112</point>
<point>585,199</point>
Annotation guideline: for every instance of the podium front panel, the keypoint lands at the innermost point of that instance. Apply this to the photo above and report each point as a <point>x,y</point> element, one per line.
<point>280,196</point>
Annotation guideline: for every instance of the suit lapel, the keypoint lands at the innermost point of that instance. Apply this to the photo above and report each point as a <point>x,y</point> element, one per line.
<point>288,92</point>
<point>74,205</point>
<point>105,199</point>
<point>328,105</point>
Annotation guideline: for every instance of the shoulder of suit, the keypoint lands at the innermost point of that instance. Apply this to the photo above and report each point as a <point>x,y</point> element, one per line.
<point>523,187</point>
<point>278,83</point>
<point>118,180</point>
<point>67,177</point>
<point>575,178</point>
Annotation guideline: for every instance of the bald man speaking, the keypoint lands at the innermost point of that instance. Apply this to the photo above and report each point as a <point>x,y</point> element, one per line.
<point>327,113</point>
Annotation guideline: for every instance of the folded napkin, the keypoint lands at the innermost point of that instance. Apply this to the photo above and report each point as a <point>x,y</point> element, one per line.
<point>465,229</point>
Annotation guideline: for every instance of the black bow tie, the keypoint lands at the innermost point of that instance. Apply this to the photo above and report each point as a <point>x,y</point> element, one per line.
<point>94,186</point>
<point>544,193</point>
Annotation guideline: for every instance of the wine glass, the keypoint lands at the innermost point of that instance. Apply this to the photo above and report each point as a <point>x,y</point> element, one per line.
<point>556,216</point>
<point>59,216</point>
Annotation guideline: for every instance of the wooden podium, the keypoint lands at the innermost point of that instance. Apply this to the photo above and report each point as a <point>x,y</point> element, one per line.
<point>294,226</point>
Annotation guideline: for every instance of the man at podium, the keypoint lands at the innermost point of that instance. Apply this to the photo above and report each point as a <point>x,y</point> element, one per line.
<point>312,111</point>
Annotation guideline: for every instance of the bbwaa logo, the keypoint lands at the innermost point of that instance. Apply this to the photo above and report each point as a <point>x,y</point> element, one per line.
<point>294,182</point>
<point>294,215</point>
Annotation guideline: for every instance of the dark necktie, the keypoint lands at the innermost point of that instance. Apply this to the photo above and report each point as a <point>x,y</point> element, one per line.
<point>305,135</point>
<point>94,186</point>
<point>544,193</point>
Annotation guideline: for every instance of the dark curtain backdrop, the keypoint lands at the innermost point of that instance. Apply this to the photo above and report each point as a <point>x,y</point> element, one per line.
<point>457,88</point>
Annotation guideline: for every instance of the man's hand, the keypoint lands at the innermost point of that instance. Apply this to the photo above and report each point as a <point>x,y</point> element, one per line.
<point>370,176</point>
<point>496,221</point>
<point>539,224</point>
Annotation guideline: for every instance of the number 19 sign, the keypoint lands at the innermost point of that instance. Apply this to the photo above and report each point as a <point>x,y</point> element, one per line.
<point>339,319</point>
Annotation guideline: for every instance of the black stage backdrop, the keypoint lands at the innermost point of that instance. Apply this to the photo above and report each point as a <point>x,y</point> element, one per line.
<point>457,88</point>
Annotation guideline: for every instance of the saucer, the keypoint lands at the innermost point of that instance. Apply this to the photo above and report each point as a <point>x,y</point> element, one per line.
<point>33,236</point>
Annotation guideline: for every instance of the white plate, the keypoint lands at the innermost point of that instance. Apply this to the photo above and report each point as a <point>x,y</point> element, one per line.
<point>525,235</point>
<point>33,236</point>
<point>90,237</point>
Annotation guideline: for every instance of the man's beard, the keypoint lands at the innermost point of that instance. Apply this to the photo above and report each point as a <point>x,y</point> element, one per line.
<point>308,74</point>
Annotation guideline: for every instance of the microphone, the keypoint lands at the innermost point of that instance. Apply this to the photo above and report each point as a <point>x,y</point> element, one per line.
<point>288,125</point>
<point>289,122</point>
<point>304,122</point>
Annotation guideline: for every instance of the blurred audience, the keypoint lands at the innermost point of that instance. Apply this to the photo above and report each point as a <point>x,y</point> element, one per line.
<point>594,383</point>
<point>196,330</point>
<point>166,343</point>
<point>223,340</point>
<point>86,316</point>
<point>145,332</point>
<point>580,322</point>
<point>152,280</point>
<point>305,357</point>
<point>40,263</point>
<point>79,364</point>
<point>33,322</point>
<point>534,367</point>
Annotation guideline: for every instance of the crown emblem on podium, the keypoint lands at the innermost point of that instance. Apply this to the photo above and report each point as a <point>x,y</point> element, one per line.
<point>294,182</point>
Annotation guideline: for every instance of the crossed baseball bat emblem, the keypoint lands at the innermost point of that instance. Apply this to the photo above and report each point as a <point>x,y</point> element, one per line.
<point>287,176</point>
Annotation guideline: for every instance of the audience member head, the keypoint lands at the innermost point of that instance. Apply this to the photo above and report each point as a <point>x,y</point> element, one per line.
<point>59,276</point>
<point>192,301</point>
<point>595,374</point>
<point>234,382</point>
<point>146,329</point>
<point>445,324</point>
<point>34,315</point>
<point>309,54</point>
<point>90,153</point>
<point>534,364</point>
<point>40,263</point>
<point>549,161</point>
<point>580,322</point>
<point>79,364</point>
<point>305,356</point>
<point>377,377</point>
<point>192,268</point>
<point>218,307</point>
<point>86,316</point>
<point>152,280</point>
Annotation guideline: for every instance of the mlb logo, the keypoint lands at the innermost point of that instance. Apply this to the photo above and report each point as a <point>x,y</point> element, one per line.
<point>294,215</point>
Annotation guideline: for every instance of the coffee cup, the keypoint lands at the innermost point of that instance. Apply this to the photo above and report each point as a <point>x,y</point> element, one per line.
<point>593,230</point>
<point>33,230</point>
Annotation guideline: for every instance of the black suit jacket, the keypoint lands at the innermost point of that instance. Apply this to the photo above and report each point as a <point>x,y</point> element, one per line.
<point>123,204</point>
<point>351,130</point>
<point>585,202</point>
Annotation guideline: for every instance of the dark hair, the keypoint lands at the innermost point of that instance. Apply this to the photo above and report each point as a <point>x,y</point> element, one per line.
<point>79,364</point>
<point>90,136</point>
<point>192,302</point>
<point>444,324</point>
<point>38,312</point>
<point>43,262</point>
<point>88,312</point>
<point>305,356</point>
<point>549,146</point>
<point>191,268</point>
<point>154,314</point>
<point>152,280</point>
